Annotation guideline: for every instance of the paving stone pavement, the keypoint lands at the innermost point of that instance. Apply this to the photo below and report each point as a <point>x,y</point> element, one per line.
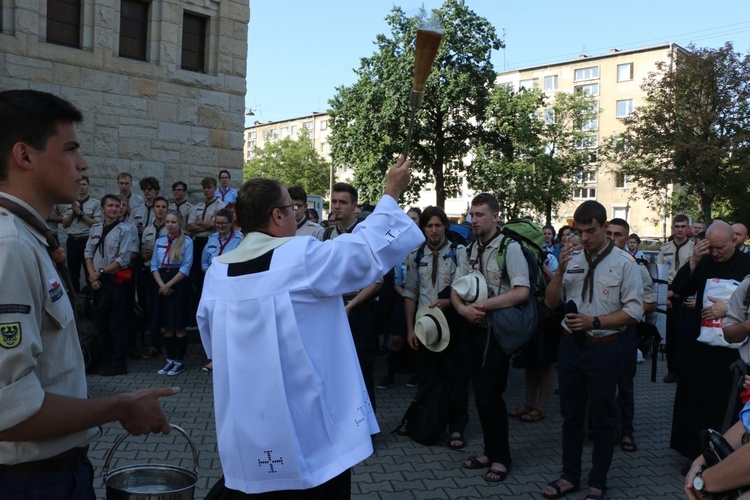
<point>400,468</point>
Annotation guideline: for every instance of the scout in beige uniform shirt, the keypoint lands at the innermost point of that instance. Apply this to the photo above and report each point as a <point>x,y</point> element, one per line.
<point>422,291</point>
<point>675,257</point>
<point>203,211</point>
<point>38,338</point>
<point>617,287</point>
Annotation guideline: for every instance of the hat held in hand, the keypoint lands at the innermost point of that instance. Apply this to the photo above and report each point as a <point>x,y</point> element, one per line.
<point>471,287</point>
<point>431,328</point>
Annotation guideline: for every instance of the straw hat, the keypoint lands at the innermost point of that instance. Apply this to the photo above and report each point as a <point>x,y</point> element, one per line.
<point>471,287</point>
<point>431,328</point>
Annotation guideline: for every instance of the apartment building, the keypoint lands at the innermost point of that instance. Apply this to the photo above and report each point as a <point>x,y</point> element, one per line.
<point>614,79</point>
<point>161,83</point>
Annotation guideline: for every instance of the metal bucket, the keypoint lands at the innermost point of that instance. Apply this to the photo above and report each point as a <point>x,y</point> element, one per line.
<point>151,482</point>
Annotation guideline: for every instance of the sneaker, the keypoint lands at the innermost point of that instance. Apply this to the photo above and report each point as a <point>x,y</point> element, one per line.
<point>167,368</point>
<point>177,368</point>
<point>413,382</point>
<point>670,378</point>
<point>386,383</point>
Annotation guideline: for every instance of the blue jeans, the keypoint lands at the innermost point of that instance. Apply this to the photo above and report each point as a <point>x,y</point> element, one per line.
<point>588,372</point>
<point>70,484</point>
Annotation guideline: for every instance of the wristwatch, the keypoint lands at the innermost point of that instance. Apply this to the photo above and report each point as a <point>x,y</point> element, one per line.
<point>699,485</point>
<point>101,271</point>
<point>597,323</point>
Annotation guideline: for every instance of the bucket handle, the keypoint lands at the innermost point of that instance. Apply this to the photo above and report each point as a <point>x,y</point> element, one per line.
<point>180,430</point>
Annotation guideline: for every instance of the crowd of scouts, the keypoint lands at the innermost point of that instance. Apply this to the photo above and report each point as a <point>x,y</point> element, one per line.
<point>151,254</point>
<point>145,255</point>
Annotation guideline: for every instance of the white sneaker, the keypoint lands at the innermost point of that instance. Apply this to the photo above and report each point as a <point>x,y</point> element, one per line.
<point>639,356</point>
<point>177,368</point>
<point>167,368</point>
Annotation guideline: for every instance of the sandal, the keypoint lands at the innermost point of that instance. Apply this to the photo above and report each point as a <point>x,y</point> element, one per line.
<point>627,443</point>
<point>456,437</point>
<point>521,410</point>
<point>533,416</point>
<point>501,475</point>
<point>559,492</point>
<point>596,496</point>
<point>475,463</point>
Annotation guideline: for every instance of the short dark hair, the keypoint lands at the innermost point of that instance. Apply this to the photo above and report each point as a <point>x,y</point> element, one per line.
<point>109,197</point>
<point>31,117</point>
<point>486,199</point>
<point>255,203</point>
<point>149,182</point>
<point>635,237</point>
<point>225,212</point>
<point>225,172</point>
<point>431,212</point>
<point>621,222</point>
<point>561,231</point>
<point>161,198</point>
<point>550,227</point>
<point>297,193</point>
<point>416,210</point>
<point>180,183</point>
<point>343,187</point>
<point>590,211</point>
<point>681,218</point>
<point>85,178</point>
<point>208,181</point>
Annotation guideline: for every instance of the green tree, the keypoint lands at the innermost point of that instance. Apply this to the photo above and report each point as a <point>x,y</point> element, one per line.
<point>536,150</point>
<point>292,162</point>
<point>693,130</point>
<point>369,118</point>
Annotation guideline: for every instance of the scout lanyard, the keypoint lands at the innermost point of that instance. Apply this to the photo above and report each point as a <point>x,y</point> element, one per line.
<point>223,245</point>
<point>165,259</point>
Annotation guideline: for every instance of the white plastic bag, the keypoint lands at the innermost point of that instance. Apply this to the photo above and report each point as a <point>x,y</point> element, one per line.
<point>712,330</point>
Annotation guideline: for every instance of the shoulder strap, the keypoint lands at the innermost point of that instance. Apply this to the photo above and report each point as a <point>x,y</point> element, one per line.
<point>328,232</point>
<point>420,254</point>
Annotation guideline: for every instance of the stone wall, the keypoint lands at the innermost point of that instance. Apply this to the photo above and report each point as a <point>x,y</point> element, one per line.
<point>143,117</point>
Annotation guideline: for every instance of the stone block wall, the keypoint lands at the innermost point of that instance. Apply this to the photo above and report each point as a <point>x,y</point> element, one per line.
<point>143,117</point>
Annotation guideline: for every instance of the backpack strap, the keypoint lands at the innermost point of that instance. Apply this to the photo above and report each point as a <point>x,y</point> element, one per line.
<point>328,232</point>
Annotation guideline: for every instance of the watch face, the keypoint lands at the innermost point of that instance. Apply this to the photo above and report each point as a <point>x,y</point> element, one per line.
<point>698,483</point>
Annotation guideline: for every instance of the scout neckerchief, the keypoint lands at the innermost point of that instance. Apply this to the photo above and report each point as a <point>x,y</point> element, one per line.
<point>80,207</point>
<point>54,250</point>
<point>481,247</point>
<point>677,247</point>
<point>165,260</point>
<point>226,242</point>
<point>224,193</point>
<point>105,231</point>
<point>348,229</point>
<point>207,204</point>
<point>588,280</point>
<point>435,253</point>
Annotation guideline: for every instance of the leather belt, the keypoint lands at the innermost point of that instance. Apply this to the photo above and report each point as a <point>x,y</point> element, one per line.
<point>63,461</point>
<point>589,338</point>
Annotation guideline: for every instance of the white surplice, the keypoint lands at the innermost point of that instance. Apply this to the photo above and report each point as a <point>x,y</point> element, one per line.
<point>291,407</point>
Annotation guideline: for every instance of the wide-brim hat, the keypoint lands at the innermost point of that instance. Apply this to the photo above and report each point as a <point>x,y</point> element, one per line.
<point>471,287</point>
<point>431,328</point>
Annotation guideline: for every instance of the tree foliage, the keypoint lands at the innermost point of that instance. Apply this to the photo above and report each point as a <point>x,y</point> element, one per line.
<point>534,152</point>
<point>694,129</point>
<point>293,162</point>
<point>369,119</point>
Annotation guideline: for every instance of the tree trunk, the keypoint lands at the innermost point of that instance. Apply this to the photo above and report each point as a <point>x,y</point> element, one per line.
<point>706,208</point>
<point>548,212</point>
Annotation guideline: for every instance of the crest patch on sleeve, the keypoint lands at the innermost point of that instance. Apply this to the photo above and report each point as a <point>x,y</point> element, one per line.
<point>10,335</point>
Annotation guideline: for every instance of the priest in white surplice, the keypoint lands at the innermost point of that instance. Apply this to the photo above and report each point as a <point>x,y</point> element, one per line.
<point>292,411</point>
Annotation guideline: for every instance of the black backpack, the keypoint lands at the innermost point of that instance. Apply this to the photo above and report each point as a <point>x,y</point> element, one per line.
<point>426,417</point>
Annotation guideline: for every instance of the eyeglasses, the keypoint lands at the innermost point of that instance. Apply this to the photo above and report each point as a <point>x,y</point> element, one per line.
<point>293,206</point>
<point>221,223</point>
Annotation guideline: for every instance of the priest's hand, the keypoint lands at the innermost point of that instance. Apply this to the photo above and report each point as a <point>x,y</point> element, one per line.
<point>398,178</point>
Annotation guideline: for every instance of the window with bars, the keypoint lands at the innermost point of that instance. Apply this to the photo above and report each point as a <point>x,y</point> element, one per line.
<point>134,29</point>
<point>193,42</point>
<point>64,22</point>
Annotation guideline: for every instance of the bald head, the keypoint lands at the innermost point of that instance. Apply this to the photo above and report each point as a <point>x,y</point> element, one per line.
<point>720,237</point>
<point>740,234</point>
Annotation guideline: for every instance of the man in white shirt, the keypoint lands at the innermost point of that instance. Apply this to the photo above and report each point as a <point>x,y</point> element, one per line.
<point>307,419</point>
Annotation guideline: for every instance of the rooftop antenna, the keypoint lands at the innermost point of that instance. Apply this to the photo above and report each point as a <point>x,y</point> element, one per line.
<point>505,64</point>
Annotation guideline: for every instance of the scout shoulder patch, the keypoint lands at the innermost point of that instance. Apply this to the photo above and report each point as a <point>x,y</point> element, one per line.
<point>55,290</point>
<point>10,335</point>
